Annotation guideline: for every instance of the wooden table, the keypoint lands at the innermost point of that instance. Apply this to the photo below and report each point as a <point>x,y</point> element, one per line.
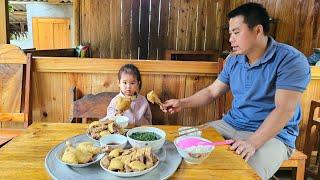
<point>23,157</point>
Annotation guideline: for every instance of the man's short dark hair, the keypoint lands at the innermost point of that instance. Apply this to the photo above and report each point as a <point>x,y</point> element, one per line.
<point>254,14</point>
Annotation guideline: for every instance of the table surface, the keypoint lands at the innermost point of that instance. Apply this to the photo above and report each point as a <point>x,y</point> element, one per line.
<point>23,157</point>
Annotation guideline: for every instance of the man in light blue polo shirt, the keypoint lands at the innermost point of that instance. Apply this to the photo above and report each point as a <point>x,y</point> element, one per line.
<point>267,80</point>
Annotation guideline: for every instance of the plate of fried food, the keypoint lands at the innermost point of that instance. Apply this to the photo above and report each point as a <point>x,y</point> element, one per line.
<point>79,154</point>
<point>97,129</point>
<point>129,162</point>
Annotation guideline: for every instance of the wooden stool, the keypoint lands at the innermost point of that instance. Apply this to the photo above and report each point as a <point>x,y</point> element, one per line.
<point>297,161</point>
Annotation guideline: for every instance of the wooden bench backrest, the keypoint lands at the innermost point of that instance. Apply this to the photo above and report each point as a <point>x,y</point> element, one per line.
<point>15,72</point>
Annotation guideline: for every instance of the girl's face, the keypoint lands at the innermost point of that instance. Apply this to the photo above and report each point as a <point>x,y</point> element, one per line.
<point>128,84</point>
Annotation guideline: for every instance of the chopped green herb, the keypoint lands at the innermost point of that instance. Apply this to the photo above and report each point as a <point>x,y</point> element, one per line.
<point>145,136</point>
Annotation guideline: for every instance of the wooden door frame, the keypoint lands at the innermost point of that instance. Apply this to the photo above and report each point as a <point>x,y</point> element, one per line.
<point>4,22</point>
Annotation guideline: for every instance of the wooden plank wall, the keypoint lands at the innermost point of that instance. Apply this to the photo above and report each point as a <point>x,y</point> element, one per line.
<point>54,78</point>
<point>134,30</point>
<point>143,29</point>
<point>298,21</point>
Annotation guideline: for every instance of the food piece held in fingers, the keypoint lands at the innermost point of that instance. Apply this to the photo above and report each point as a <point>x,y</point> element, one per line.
<point>154,98</point>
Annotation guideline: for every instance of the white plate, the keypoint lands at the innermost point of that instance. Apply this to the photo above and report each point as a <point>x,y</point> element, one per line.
<point>97,140</point>
<point>169,162</point>
<point>129,174</point>
<point>95,158</point>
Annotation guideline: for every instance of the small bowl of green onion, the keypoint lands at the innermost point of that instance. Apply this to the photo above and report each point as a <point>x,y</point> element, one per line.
<point>146,136</point>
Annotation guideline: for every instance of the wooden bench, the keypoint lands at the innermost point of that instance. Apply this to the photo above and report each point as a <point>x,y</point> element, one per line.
<point>15,83</point>
<point>297,161</point>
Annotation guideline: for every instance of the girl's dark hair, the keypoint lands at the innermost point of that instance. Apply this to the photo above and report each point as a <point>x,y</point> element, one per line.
<point>132,70</point>
<point>254,14</point>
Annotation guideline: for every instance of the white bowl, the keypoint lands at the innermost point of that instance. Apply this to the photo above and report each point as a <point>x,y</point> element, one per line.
<point>155,145</point>
<point>195,133</point>
<point>191,155</point>
<point>107,118</point>
<point>95,158</point>
<point>122,121</point>
<point>129,174</point>
<point>113,140</point>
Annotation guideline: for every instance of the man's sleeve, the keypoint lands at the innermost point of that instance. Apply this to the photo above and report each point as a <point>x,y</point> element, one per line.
<point>224,75</point>
<point>293,73</point>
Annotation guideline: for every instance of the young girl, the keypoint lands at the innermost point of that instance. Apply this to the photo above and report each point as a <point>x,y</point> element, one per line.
<point>130,83</point>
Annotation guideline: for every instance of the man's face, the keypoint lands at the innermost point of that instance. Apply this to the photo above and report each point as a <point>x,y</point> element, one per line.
<point>242,38</point>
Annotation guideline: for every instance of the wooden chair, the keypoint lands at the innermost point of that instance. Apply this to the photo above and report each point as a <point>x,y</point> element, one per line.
<point>89,106</point>
<point>297,162</point>
<point>299,159</point>
<point>312,136</point>
<point>15,75</point>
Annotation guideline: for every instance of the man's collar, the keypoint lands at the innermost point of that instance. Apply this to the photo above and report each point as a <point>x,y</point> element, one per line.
<point>272,46</point>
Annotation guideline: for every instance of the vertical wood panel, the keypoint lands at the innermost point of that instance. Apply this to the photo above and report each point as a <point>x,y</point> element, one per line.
<point>316,27</point>
<point>125,29</point>
<point>144,29</point>
<point>202,114</point>
<point>104,83</point>
<point>183,24</point>
<point>210,31</point>
<point>168,87</point>
<point>85,17</point>
<point>148,83</point>
<point>104,32</point>
<point>219,24</point>
<point>61,34</point>
<point>154,24</point>
<point>201,26</point>
<point>115,28</point>
<point>173,24</point>
<point>95,33</point>
<point>283,9</point>
<point>76,15</point>
<point>271,7</point>
<point>163,36</point>
<point>214,16</point>
<point>134,42</point>
<point>56,97</point>
<point>44,96</point>
<point>192,28</point>
<point>303,42</point>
